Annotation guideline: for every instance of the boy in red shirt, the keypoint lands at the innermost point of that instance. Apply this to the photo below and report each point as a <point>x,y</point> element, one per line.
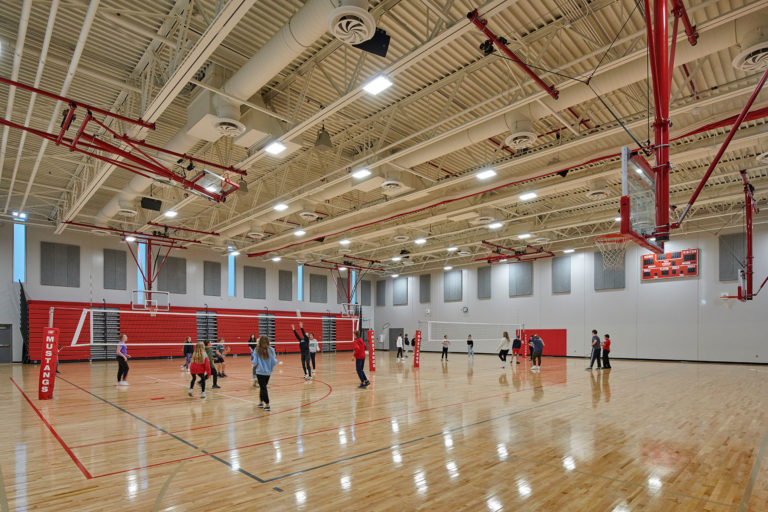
<point>358,348</point>
<point>606,351</point>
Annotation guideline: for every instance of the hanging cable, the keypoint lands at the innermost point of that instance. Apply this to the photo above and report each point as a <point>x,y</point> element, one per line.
<point>610,47</point>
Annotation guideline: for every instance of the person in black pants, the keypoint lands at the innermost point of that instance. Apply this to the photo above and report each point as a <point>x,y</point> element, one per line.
<point>304,349</point>
<point>606,352</point>
<point>214,373</point>
<point>595,351</point>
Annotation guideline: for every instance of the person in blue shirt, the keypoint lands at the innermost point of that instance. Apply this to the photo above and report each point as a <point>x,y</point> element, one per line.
<point>263,360</point>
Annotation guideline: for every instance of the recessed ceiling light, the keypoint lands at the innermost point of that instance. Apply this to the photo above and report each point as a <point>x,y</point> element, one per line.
<point>447,267</point>
<point>452,249</point>
<point>528,196</point>
<point>235,253</point>
<point>524,236</point>
<point>420,241</point>
<point>18,215</point>
<point>503,260</point>
<point>342,269</point>
<point>299,232</point>
<point>486,174</point>
<point>377,84</point>
<point>495,225</point>
<point>280,207</point>
<point>397,258</point>
<point>276,259</point>
<point>344,242</point>
<point>360,174</point>
<point>617,219</point>
<point>130,238</point>
<point>569,251</point>
<point>275,148</point>
<point>395,275</point>
<point>171,214</point>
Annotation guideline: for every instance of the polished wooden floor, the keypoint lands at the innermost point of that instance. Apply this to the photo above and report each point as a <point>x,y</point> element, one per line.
<point>456,436</point>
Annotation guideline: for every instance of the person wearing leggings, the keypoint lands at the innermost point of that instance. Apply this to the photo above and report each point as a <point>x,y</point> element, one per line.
<point>214,373</point>
<point>399,345</point>
<point>504,348</point>
<point>304,349</point>
<point>538,348</point>
<point>358,349</point>
<point>263,360</point>
<point>200,366</point>
<point>122,361</point>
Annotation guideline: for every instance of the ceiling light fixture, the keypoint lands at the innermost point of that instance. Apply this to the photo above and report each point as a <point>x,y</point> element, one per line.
<point>323,142</point>
<point>243,186</point>
<point>447,267</point>
<point>344,242</point>
<point>569,251</point>
<point>524,236</point>
<point>299,232</point>
<point>495,225</point>
<point>394,276</point>
<point>276,259</point>
<point>275,148</point>
<point>528,196</point>
<point>396,258</point>
<point>452,249</point>
<point>420,241</point>
<point>617,219</point>
<point>235,253</point>
<point>377,85</point>
<point>130,238</point>
<point>486,174</point>
<point>342,269</point>
<point>361,173</point>
<point>503,260</point>
<point>280,207</point>
<point>171,214</point>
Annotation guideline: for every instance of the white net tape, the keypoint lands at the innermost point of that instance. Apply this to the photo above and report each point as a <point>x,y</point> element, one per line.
<point>613,248</point>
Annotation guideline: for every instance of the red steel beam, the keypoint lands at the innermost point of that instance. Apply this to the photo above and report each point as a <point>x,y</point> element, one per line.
<point>750,207</point>
<point>678,9</point>
<point>124,232</point>
<point>183,229</point>
<point>482,25</point>
<point>185,156</point>
<point>361,259</point>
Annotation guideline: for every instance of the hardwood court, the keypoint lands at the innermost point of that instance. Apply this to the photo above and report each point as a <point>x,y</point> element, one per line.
<point>460,436</point>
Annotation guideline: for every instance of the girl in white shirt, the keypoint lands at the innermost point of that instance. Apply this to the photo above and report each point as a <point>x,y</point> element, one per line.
<point>314,347</point>
<point>504,349</point>
<point>399,345</point>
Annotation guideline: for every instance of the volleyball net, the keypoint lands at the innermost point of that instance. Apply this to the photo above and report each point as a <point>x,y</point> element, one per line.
<point>156,333</point>
<point>486,336</point>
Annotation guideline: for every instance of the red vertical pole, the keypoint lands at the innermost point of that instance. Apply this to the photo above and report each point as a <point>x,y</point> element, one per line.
<point>661,124</point>
<point>749,206</point>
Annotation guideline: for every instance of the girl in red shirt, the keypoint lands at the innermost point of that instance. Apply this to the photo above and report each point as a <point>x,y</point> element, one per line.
<point>606,351</point>
<point>358,348</point>
<point>200,366</point>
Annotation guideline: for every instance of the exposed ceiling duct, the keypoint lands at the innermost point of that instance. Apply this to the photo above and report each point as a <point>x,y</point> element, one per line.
<point>351,23</point>
<point>485,216</point>
<point>597,190</point>
<point>256,231</point>
<point>752,32</point>
<point>522,135</point>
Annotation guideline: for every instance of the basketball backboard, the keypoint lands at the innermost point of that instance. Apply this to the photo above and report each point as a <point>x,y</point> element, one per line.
<point>638,200</point>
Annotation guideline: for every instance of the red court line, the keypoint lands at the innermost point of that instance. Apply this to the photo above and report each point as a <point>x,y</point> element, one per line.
<point>329,429</point>
<point>330,390</point>
<point>55,434</point>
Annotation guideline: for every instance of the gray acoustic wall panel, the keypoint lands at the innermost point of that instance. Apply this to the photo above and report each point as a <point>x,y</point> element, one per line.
<point>285,285</point>
<point>520,278</point>
<point>608,279</point>
<point>400,291</point>
<point>173,276</point>
<point>318,288</point>
<point>59,265</point>
<point>732,254</point>
<point>425,288</point>
<point>212,278</point>
<point>114,270</point>
<point>484,282</point>
<point>365,293</point>
<point>341,291</point>
<point>452,286</point>
<point>561,274</point>
<point>254,283</point>
<point>381,293</point>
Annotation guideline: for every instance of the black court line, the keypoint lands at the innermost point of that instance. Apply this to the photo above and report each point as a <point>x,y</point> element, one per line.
<point>461,427</point>
<point>161,429</point>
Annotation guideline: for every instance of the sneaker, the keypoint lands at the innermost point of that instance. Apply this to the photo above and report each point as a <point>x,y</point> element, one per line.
<point>266,408</point>
<point>123,383</point>
<point>189,392</point>
<point>589,368</point>
<point>183,367</point>
<point>202,395</point>
<point>215,386</point>
<point>503,365</point>
<point>261,406</point>
<point>255,383</point>
<point>518,362</point>
<point>222,375</point>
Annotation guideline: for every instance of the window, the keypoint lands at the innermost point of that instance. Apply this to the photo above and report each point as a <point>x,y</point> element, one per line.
<point>341,290</point>
<point>141,256</point>
<point>173,276</point>
<point>520,278</point>
<point>425,288</point>
<point>561,274</point>
<point>254,283</point>
<point>484,282</point>
<point>59,265</point>
<point>452,286</point>
<point>231,273</point>
<point>285,285</point>
<point>20,253</point>
<point>212,278</point>
<point>114,270</point>
<point>400,291</point>
<point>354,287</point>
<point>300,283</point>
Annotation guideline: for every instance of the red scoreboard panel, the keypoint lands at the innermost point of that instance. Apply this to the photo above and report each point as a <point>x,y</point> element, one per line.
<point>671,264</point>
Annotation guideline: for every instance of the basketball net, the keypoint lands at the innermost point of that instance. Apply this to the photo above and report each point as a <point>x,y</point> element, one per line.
<point>612,247</point>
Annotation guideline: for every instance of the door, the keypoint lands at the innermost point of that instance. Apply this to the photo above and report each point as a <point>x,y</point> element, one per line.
<point>5,344</point>
<point>394,332</point>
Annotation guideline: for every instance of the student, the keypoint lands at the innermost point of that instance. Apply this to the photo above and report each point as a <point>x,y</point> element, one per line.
<point>470,347</point>
<point>252,342</point>
<point>445,344</point>
<point>538,348</point>
<point>314,347</point>
<point>188,349</point>
<point>122,361</point>
<point>595,351</point>
<point>504,348</point>
<point>606,351</point>
<point>517,347</point>
<point>221,351</point>
<point>201,366</point>
<point>407,344</point>
<point>263,360</point>
<point>399,345</point>
<point>214,372</point>
<point>358,349</point>
<point>304,349</point>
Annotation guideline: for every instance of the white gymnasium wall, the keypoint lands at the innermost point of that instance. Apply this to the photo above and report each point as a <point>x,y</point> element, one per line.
<point>676,319</point>
<point>92,276</point>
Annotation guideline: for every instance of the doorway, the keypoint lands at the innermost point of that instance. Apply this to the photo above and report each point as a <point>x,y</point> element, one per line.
<point>394,332</point>
<point>6,349</point>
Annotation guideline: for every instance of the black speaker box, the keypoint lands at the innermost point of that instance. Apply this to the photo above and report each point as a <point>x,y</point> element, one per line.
<point>377,45</point>
<point>149,203</point>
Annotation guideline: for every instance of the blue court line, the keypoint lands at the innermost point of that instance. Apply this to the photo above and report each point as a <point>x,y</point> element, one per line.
<point>460,427</point>
<point>161,429</point>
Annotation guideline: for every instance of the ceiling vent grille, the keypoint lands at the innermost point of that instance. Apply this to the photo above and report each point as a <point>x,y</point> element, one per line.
<point>351,23</point>
<point>754,54</point>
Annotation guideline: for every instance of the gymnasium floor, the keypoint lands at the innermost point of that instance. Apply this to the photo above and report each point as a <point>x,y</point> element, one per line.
<point>460,436</point>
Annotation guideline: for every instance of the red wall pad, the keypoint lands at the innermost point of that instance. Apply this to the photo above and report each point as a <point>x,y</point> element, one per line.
<point>555,340</point>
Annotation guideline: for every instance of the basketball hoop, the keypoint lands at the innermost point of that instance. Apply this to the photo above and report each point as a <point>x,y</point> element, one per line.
<point>613,247</point>
<point>348,309</point>
<point>153,311</point>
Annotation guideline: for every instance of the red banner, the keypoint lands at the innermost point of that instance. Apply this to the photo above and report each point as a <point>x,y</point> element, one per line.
<point>48,359</point>
<point>371,351</point>
<point>416,349</point>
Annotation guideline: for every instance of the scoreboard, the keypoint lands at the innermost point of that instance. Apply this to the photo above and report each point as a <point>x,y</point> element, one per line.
<point>671,264</point>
